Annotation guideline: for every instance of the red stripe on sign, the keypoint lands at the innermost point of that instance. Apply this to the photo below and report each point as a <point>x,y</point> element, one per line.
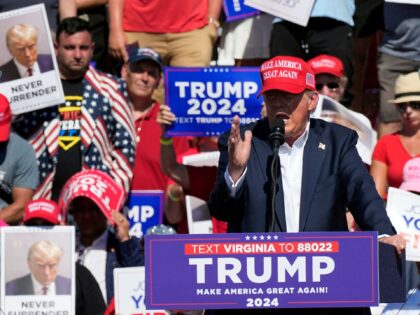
<point>261,248</point>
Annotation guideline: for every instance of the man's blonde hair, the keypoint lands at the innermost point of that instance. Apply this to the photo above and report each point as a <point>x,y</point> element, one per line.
<point>21,31</point>
<point>45,249</point>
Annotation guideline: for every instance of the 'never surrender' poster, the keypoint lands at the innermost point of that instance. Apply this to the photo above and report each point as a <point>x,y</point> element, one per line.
<point>205,100</point>
<point>262,270</point>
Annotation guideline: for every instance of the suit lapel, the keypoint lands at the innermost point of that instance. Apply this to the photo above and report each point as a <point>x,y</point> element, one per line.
<point>313,157</point>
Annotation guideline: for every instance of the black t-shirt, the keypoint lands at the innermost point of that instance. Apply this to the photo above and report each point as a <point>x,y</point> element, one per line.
<point>69,151</point>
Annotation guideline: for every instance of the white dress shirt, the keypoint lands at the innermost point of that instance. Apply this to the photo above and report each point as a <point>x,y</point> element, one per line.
<point>38,288</point>
<point>23,71</point>
<point>291,163</point>
<point>94,259</point>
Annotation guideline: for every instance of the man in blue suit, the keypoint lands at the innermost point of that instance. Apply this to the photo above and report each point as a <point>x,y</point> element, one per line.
<point>22,41</point>
<point>43,261</point>
<point>320,173</point>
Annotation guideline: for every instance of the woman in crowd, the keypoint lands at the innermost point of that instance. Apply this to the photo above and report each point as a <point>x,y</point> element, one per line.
<point>393,151</point>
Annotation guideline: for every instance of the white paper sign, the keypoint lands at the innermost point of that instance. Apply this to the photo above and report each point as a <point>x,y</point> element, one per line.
<point>403,209</point>
<point>202,159</point>
<point>198,214</point>
<point>27,92</point>
<point>295,11</point>
<point>332,111</point>
<point>38,270</point>
<point>404,1</point>
<point>129,286</point>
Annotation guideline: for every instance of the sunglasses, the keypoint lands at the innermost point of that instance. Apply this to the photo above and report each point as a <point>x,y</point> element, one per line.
<point>402,107</point>
<point>332,86</point>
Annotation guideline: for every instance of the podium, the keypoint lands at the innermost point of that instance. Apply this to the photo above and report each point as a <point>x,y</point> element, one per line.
<point>391,275</point>
<point>312,270</point>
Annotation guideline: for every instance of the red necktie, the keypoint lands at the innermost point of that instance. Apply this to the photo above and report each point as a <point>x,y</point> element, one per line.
<point>44,290</point>
<point>30,72</point>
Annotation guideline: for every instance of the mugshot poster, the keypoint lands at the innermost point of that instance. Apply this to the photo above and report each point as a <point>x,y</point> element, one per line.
<point>205,100</point>
<point>29,75</point>
<point>38,270</point>
<point>262,270</point>
<point>129,286</point>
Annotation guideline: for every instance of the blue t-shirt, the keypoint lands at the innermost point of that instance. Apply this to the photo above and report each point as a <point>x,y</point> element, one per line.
<point>402,31</point>
<point>18,167</point>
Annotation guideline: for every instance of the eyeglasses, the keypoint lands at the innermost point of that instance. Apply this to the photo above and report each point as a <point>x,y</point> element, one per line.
<point>402,107</point>
<point>332,86</point>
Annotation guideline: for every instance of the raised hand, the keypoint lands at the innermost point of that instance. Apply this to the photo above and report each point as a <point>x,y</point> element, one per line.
<point>165,117</point>
<point>238,150</point>
<point>122,226</point>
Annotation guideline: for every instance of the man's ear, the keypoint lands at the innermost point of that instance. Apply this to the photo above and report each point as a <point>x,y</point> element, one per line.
<point>313,101</point>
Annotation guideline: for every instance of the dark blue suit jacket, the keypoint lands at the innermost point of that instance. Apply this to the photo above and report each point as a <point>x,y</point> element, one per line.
<point>23,286</point>
<point>334,177</point>
<point>121,254</point>
<point>9,71</point>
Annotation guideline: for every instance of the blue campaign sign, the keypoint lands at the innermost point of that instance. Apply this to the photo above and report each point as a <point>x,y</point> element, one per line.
<point>262,270</point>
<point>145,210</point>
<point>205,100</point>
<point>236,9</point>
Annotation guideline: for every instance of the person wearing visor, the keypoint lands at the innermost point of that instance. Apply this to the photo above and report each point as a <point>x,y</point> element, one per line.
<point>320,173</point>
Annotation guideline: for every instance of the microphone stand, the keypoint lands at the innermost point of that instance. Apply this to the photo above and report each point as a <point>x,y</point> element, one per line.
<point>277,139</point>
<point>274,167</point>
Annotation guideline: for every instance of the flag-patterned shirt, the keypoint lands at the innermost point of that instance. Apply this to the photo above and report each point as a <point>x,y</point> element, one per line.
<point>107,132</point>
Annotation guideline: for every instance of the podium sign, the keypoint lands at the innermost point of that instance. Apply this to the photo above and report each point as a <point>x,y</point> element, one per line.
<point>262,270</point>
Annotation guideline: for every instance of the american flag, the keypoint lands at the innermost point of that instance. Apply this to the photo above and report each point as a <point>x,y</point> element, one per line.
<point>107,132</point>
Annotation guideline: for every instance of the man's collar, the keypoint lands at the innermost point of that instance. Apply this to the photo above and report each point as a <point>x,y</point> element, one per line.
<point>38,286</point>
<point>23,69</point>
<point>301,140</point>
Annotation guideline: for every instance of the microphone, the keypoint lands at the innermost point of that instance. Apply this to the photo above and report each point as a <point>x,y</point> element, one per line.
<point>277,133</point>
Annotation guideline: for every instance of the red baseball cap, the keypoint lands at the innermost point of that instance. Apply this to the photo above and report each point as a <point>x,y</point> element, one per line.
<point>327,64</point>
<point>286,73</point>
<point>42,209</point>
<point>5,118</point>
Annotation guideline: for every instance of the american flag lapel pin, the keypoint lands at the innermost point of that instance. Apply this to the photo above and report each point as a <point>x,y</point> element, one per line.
<point>321,146</point>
